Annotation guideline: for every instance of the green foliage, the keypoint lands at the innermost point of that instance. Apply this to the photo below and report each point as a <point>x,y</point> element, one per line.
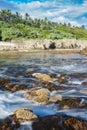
<point>14,26</point>
<point>0,35</point>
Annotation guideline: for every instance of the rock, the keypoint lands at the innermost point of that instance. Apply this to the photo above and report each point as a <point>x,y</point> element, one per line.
<point>61,79</point>
<point>44,77</point>
<point>55,98</point>
<point>4,81</point>
<point>69,103</point>
<point>84,51</point>
<point>75,124</point>
<point>7,124</point>
<point>53,75</point>
<point>39,95</point>
<point>84,83</point>
<point>25,114</point>
<point>42,92</point>
<point>41,99</point>
<point>50,85</point>
<point>15,87</point>
<point>48,123</point>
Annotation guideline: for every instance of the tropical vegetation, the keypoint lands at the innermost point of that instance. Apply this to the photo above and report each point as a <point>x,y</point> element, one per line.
<point>14,26</point>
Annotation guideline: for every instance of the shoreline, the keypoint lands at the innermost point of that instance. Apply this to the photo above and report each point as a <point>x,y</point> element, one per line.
<point>55,51</point>
<point>62,46</point>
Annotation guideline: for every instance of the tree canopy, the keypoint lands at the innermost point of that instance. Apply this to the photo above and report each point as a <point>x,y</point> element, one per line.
<point>14,26</point>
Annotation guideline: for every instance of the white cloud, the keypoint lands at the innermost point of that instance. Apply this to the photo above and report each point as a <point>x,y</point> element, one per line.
<point>62,19</point>
<point>54,10</point>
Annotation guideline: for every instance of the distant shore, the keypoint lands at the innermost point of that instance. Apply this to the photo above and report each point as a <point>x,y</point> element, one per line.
<point>54,46</point>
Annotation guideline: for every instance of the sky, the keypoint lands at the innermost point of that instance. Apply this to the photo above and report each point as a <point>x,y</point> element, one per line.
<point>64,11</point>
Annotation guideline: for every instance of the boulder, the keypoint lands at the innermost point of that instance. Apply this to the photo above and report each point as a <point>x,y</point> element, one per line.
<point>44,77</point>
<point>25,114</point>
<point>75,124</point>
<point>41,99</point>
<point>40,95</point>
<point>42,92</point>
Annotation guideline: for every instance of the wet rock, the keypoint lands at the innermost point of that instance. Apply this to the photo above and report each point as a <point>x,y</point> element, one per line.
<point>4,81</point>
<point>75,124</point>
<point>7,124</point>
<point>40,95</point>
<point>41,99</point>
<point>61,79</point>
<point>50,85</point>
<point>42,92</point>
<point>53,75</point>
<point>25,114</point>
<point>28,73</point>
<point>15,87</point>
<point>55,98</point>
<point>69,103</point>
<point>84,83</point>
<point>48,123</point>
<point>84,51</point>
<point>44,77</point>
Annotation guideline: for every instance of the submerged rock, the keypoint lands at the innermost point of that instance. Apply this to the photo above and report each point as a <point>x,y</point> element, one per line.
<point>25,114</point>
<point>4,81</point>
<point>61,79</point>
<point>84,83</point>
<point>75,124</point>
<point>15,87</point>
<point>44,77</point>
<point>69,103</point>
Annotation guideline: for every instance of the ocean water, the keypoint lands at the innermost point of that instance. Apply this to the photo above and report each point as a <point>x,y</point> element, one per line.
<point>14,67</point>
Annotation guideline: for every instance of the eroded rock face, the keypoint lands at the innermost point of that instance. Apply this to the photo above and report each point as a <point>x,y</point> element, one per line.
<point>25,114</point>
<point>75,124</point>
<point>15,87</point>
<point>44,77</point>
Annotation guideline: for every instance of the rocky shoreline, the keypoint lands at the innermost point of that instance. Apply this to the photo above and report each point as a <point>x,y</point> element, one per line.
<point>34,45</point>
<point>26,119</point>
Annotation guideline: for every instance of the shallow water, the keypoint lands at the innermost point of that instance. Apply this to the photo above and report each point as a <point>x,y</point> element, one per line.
<point>14,67</point>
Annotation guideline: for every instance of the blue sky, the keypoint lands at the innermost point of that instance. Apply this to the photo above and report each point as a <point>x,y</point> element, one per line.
<point>65,11</point>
